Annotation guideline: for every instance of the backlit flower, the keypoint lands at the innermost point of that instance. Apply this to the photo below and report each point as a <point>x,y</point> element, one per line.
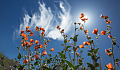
<point>81,46</point>
<point>44,52</point>
<point>57,26</point>
<point>36,41</point>
<point>109,66</point>
<point>25,61</point>
<point>110,36</point>
<point>86,31</point>
<point>35,47</point>
<point>52,49</point>
<point>95,31</point>
<point>108,22</point>
<point>41,46</point>
<point>77,54</point>
<point>103,32</point>
<point>22,31</point>
<point>45,43</point>
<point>31,40</point>
<point>36,56</point>
<point>31,34</point>
<point>27,27</point>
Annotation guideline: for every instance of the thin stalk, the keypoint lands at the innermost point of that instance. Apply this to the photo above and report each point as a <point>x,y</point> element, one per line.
<point>69,56</point>
<point>100,60</point>
<point>74,45</point>
<point>29,60</point>
<point>113,55</point>
<point>65,49</point>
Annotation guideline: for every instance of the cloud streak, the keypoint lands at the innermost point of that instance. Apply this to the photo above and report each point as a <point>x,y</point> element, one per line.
<point>48,19</point>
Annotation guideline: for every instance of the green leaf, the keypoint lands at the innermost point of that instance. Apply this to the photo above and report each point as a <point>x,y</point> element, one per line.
<point>96,64</point>
<point>36,63</point>
<point>91,41</point>
<point>62,44</point>
<point>76,67</point>
<point>97,59</point>
<point>117,60</point>
<point>68,47</point>
<point>65,41</point>
<point>75,38</point>
<point>70,64</point>
<point>96,50</point>
<point>19,56</point>
<point>62,55</point>
<point>89,54</point>
<point>91,66</point>
<point>71,38</point>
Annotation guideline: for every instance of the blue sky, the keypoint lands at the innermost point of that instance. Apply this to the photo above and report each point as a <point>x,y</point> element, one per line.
<point>17,14</point>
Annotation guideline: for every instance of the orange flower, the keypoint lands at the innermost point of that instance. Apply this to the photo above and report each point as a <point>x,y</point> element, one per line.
<point>52,49</point>
<point>77,54</point>
<point>43,32</point>
<point>35,47</point>
<point>27,27</point>
<point>36,56</point>
<point>103,32</point>
<point>37,28</point>
<point>86,31</point>
<point>108,22</point>
<point>110,36</point>
<point>28,30</point>
<point>41,46</point>
<point>81,46</point>
<point>25,61</point>
<point>22,45</point>
<point>81,28</point>
<point>82,14</point>
<point>22,31</point>
<point>32,59</point>
<point>36,41</point>
<point>30,44</point>
<point>31,40</point>
<point>31,34</point>
<point>109,54</point>
<point>26,43</point>
<point>101,16</point>
<point>26,38</point>
<point>44,53</point>
<point>109,66</point>
<point>95,31</point>
<point>86,43</point>
<point>45,43</point>
<point>57,26</point>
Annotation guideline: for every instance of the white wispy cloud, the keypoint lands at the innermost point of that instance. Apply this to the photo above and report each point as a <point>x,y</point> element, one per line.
<point>48,19</point>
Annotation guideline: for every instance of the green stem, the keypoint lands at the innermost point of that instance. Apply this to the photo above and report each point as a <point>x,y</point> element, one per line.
<point>113,55</point>
<point>29,60</point>
<point>74,45</point>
